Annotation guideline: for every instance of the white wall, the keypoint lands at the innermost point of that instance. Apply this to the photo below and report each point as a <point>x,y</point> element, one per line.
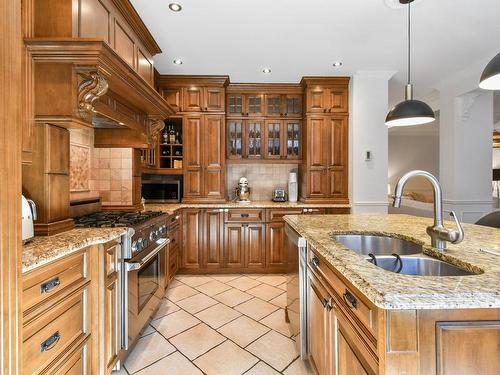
<point>411,148</point>
<point>368,132</point>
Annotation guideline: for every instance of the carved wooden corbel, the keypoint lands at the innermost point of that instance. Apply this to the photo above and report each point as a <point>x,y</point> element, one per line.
<point>92,86</point>
<point>153,130</point>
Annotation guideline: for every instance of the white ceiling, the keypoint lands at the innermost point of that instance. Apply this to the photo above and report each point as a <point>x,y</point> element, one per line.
<point>296,38</point>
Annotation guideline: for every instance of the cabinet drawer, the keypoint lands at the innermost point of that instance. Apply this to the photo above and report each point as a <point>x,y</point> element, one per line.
<point>346,295</point>
<point>244,215</point>
<point>112,250</point>
<point>54,331</point>
<point>41,284</point>
<point>76,363</point>
<point>277,215</point>
<point>173,262</point>
<point>174,236</point>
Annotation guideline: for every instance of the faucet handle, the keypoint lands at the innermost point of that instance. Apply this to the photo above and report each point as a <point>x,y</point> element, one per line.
<point>457,235</point>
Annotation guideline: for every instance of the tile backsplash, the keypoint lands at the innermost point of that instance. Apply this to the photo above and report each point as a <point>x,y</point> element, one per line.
<point>104,172</point>
<point>262,178</point>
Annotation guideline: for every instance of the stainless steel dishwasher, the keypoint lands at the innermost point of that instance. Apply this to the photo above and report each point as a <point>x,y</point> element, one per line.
<point>296,293</point>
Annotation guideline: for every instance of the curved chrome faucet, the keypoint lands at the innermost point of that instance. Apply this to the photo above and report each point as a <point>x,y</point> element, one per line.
<point>438,233</point>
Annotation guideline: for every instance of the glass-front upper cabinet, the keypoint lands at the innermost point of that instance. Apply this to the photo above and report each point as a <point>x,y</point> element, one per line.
<point>254,104</point>
<point>235,104</point>
<point>293,105</point>
<point>253,135</point>
<point>274,105</point>
<point>235,139</point>
<point>293,137</point>
<point>273,139</point>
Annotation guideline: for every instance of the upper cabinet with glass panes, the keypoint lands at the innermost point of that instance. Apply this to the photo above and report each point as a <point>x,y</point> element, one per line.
<point>245,105</point>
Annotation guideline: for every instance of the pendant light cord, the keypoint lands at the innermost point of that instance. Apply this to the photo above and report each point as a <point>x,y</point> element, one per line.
<point>409,41</point>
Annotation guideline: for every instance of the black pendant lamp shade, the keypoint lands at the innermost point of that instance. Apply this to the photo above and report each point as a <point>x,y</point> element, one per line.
<point>410,111</point>
<point>490,79</point>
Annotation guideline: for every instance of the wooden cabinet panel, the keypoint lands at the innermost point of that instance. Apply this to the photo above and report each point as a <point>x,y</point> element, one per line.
<point>243,215</point>
<point>317,183</point>
<point>292,135</point>
<point>254,105</point>
<point>213,155</point>
<point>214,99</point>
<point>235,105</point>
<point>235,139</point>
<point>273,139</point>
<point>77,363</point>
<point>255,248</point>
<point>292,105</point>
<point>124,45</point>
<point>275,245</point>
<point>349,364</point>
<point>317,325</point>
<point>338,142</point>
<point>253,139</point>
<point>95,24</point>
<point>192,156</point>
<point>234,245</point>
<point>337,99</point>
<point>144,66</point>
<point>213,251</point>
<point>191,219</point>
<point>173,96</point>
<point>111,322</point>
<point>193,99</point>
<point>317,132</point>
<point>274,105</point>
<point>316,100</point>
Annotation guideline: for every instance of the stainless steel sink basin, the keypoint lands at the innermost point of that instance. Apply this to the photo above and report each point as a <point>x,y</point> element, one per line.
<point>418,266</point>
<point>377,245</point>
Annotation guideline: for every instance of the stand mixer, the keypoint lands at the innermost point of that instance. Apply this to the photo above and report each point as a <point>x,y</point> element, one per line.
<point>243,191</point>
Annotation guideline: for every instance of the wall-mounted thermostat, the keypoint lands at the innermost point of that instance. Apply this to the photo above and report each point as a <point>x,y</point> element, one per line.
<point>368,155</point>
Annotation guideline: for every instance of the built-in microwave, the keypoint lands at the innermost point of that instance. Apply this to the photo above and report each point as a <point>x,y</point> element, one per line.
<point>161,189</point>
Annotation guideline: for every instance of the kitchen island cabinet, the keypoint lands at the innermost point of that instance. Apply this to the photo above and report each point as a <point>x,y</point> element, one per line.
<point>362,319</point>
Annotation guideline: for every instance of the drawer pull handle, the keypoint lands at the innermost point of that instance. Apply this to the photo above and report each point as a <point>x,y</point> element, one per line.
<point>50,342</point>
<point>245,215</point>
<point>350,299</point>
<point>315,261</point>
<point>49,285</point>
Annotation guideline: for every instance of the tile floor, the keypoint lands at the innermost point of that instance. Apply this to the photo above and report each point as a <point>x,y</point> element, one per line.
<point>218,325</point>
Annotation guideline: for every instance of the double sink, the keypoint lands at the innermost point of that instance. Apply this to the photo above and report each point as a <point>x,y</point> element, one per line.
<point>398,255</point>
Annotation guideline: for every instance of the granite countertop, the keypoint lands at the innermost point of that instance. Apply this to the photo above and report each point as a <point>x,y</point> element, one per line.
<point>389,290</point>
<point>171,207</point>
<point>43,250</point>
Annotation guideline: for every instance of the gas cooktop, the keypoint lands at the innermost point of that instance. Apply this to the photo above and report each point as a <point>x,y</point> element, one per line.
<point>115,219</point>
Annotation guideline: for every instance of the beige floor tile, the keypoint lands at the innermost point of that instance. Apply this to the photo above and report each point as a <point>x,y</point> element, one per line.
<point>255,275</point>
<point>197,340</point>
<point>265,292</point>
<point>174,284</point>
<point>224,278</point>
<point>166,307</point>
<point>213,287</point>
<point>277,322</point>
<point>256,308</point>
<point>194,281</point>
<point>180,292</point>
<point>273,280</point>
<point>174,323</point>
<point>147,331</point>
<point>298,367</point>
<point>217,315</point>
<point>174,364</point>
<point>196,303</point>
<point>261,369</point>
<point>274,349</point>
<point>243,283</point>
<point>226,359</point>
<point>149,349</point>
<point>279,301</point>
<point>233,297</point>
<point>282,286</point>
<point>243,330</point>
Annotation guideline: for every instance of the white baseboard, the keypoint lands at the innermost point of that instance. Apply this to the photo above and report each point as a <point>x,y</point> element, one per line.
<point>369,207</point>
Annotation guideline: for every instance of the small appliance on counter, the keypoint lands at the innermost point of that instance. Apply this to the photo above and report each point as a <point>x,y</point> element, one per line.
<point>279,195</point>
<point>28,217</point>
<point>243,191</point>
<point>293,190</point>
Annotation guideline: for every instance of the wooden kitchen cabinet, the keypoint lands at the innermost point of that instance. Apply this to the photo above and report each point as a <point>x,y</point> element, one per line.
<point>234,245</point>
<point>245,105</point>
<point>255,245</point>
<point>191,238</point>
<point>244,245</point>
<point>213,238</point>
<point>203,99</point>
<point>204,158</point>
<point>275,246</point>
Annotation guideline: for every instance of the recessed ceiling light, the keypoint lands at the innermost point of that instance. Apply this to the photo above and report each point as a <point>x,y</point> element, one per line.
<point>178,62</point>
<point>174,7</point>
<point>266,70</point>
<point>337,64</point>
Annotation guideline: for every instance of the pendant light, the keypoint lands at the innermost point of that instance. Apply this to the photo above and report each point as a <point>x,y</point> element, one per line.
<point>410,111</point>
<point>490,79</point>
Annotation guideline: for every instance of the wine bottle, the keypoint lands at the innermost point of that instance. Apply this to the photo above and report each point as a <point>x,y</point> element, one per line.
<point>171,136</point>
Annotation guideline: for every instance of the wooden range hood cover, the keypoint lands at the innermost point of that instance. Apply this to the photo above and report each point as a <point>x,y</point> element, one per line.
<point>80,80</point>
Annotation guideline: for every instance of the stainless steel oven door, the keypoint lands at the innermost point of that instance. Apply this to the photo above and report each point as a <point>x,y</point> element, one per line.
<point>144,287</point>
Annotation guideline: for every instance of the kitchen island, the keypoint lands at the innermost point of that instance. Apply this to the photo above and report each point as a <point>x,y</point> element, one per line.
<point>363,317</point>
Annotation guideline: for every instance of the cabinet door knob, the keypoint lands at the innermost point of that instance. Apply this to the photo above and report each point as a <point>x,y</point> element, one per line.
<point>315,261</point>
<point>350,299</point>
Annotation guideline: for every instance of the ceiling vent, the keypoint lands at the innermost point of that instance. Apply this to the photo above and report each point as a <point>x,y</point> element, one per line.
<point>395,4</point>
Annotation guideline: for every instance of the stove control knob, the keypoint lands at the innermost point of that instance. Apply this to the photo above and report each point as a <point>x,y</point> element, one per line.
<point>140,244</point>
<point>145,243</point>
<point>152,235</point>
<point>163,229</point>
<point>134,246</point>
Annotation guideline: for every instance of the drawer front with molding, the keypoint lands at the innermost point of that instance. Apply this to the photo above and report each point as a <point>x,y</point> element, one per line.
<point>349,299</point>
<point>112,250</point>
<point>173,262</point>
<point>54,331</point>
<point>276,215</point>
<point>174,236</point>
<point>41,284</point>
<point>244,215</point>
<point>76,363</point>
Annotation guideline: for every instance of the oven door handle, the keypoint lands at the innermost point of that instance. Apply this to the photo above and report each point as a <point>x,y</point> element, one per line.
<point>138,265</point>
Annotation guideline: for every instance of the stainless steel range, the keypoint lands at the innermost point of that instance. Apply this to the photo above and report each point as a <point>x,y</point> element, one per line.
<point>144,251</point>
